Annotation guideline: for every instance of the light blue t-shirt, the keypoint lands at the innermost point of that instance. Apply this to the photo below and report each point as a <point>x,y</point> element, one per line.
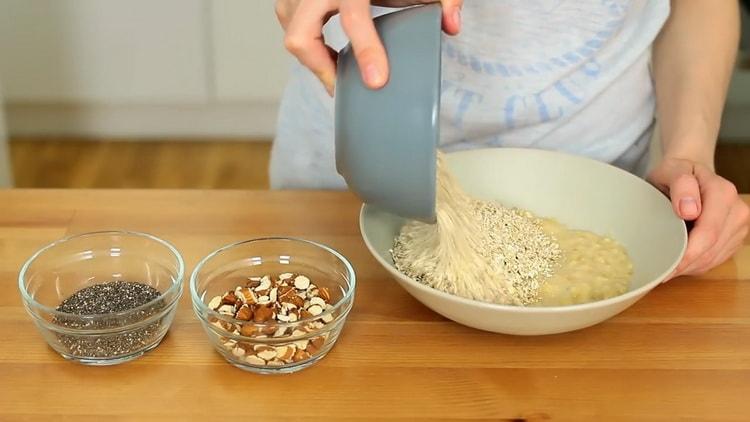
<point>567,75</point>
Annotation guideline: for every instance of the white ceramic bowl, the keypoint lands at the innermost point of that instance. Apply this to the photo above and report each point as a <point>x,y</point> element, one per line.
<point>580,193</point>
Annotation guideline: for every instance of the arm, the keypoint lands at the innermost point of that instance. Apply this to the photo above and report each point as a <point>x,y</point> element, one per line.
<point>693,59</point>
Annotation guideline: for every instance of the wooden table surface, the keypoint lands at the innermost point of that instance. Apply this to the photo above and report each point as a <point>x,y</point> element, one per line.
<point>683,351</point>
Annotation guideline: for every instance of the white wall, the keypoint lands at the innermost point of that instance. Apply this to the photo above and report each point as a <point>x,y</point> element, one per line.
<point>103,51</point>
<point>141,67</point>
<point>248,51</point>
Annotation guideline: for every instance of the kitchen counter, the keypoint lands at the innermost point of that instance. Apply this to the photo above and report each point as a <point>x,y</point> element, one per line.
<point>682,351</point>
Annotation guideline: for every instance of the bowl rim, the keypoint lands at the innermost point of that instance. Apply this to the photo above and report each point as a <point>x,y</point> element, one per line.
<point>630,294</point>
<point>35,305</point>
<point>349,294</point>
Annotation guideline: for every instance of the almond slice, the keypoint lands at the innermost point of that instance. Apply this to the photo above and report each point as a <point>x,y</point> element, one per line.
<point>265,284</point>
<point>301,282</point>
<point>317,325</point>
<point>219,324</point>
<point>226,310</point>
<point>280,332</point>
<point>238,352</point>
<point>275,362</point>
<point>247,295</point>
<point>285,352</point>
<point>262,348</point>
<point>285,276</point>
<point>254,360</point>
<point>318,301</point>
<point>267,354</point>
<point>300,355</point>
<point>215,303</point>
<point>315,310</point>
<point>301,344</point>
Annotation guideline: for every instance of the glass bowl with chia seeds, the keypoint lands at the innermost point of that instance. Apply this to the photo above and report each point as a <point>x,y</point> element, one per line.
<point>103,298</point>
<point>273,305</point>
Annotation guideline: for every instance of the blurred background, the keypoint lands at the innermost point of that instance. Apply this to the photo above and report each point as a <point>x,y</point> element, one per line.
<point>175,94</point>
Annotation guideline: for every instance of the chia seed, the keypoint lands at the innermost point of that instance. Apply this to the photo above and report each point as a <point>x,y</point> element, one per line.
<point>106,301</point>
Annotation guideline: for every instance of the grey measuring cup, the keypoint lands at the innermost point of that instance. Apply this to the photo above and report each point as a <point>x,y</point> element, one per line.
<point>386,139</point>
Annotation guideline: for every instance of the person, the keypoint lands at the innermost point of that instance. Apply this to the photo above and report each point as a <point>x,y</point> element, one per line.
<point>588,77</point>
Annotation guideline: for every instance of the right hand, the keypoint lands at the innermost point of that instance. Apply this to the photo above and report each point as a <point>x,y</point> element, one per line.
<point>303,22</point>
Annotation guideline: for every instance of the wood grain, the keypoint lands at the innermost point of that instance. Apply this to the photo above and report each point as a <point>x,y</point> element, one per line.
<point>165,164</point>
<point>197,164</point>
<point>681,352</point>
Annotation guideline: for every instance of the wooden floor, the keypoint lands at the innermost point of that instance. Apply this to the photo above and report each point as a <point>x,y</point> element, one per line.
<point>214,164</point>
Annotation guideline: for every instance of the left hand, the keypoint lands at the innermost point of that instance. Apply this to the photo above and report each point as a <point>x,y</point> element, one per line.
<point>699,194</point>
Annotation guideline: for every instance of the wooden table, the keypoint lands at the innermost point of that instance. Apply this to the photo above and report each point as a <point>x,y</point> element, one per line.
<point>683,351</point>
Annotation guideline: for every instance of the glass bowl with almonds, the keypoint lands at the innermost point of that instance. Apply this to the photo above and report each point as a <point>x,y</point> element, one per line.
<point>273,305</point>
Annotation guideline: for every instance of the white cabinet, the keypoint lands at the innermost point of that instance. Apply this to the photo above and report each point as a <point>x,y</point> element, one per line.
<point>142,67</point>
<point>141,51</point>
<point>249,60</point>
<point>110,51</point>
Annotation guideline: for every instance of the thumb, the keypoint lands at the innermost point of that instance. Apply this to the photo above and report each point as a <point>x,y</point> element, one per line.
<point>684,191</point>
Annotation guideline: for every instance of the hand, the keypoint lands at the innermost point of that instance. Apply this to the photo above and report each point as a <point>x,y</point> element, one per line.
<point>303,22</point>
<point>721,218</point>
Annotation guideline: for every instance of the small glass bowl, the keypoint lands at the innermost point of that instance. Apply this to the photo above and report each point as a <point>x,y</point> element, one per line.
<point>63,267</point>
<point>233,265</point>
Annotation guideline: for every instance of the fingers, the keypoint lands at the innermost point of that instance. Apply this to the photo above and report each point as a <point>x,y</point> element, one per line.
<point>709,225</point>
<point>684,192</point>
<point>285,10</point>
<point>304,39</point>
<point>356,20</point>
<point>735,231</point>
<point>451,11</point>
<point>706,261</point>
<point>719,197</point>
<point>733,245</point>
<point>452,16</point>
